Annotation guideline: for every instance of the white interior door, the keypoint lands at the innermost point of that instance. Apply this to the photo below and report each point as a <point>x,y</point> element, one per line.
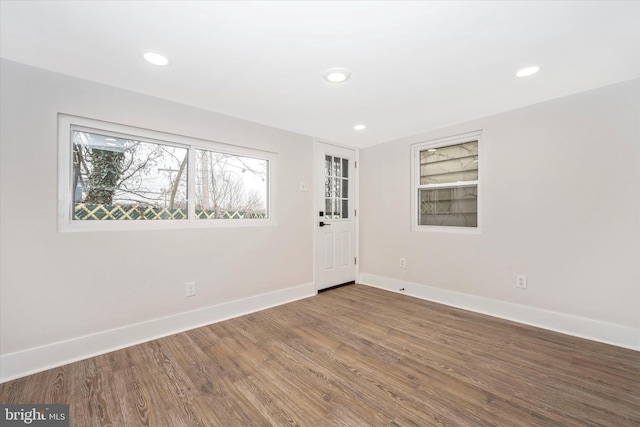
<point>335,222</point>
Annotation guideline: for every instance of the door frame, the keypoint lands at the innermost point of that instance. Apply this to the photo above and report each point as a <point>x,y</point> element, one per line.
<point>317,206</point>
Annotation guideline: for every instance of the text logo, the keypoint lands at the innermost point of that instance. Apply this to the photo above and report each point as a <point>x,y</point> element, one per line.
<point>34,415</point>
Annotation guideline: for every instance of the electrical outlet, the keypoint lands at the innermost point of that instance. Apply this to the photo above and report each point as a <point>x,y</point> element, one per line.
<point>191,289</point>
<point>403,262</point>
<point>521,282</point>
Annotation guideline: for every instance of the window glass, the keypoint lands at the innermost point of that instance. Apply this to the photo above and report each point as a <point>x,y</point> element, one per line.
<point>229,186</point>
<point>336,187</point>
<point>126,179</point>
<point>449,164</point>
<point>453,206</point>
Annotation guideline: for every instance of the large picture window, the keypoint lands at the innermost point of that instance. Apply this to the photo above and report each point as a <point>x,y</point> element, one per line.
<point>446,182</point>
<point>114,174</point>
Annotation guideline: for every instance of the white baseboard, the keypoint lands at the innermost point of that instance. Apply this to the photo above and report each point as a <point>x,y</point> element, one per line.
<point>37,359</point>
<point>595,330</point>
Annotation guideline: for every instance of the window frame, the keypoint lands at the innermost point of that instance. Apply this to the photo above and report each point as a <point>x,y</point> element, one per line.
<point>68,123</point>
<point>416,186</point>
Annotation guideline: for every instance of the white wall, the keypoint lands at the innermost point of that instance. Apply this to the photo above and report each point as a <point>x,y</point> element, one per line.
<point>57,288</point>
<point>560,204</point>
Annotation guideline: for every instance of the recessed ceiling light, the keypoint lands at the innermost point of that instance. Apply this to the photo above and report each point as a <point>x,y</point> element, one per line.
<point>528,71</point>
<point>155,58</point>
<point>431,150</point>
<point>360,127</point>
<point>337,75</point>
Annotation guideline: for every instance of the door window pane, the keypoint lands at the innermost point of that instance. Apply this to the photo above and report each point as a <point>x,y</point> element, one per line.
<point>345,168</point>
<point>336,208</point>
<point>336,187</point>
<point>345,209</point>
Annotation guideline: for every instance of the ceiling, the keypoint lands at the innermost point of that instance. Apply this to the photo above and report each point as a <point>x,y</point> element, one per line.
<point>415,66</point>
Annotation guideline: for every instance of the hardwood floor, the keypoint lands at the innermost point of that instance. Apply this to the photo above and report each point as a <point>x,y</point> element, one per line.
<point>353,356</point>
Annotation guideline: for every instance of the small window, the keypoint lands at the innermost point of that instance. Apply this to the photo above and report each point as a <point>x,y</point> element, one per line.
<point>115,176</point>
<point>446,182</point>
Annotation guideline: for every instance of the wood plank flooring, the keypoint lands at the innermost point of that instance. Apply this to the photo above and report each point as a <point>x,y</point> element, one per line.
<point>353,356</point>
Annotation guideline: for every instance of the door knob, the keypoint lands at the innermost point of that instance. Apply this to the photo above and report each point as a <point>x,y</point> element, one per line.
<point>322,224</point>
